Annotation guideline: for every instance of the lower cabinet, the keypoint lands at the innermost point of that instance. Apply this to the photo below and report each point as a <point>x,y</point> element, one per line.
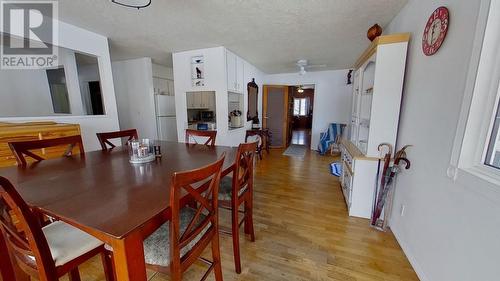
<point>358,180</point>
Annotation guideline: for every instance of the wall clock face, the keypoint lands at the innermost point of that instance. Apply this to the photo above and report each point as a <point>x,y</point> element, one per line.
<point>435,31</point>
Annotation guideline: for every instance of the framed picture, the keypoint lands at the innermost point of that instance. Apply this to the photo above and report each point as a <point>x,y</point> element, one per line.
<point>198,71</point>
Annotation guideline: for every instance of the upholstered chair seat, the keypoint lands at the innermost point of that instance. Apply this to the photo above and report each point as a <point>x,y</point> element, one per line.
<point>67,243</point>
<point>226,189</point>
<point>157,245</point>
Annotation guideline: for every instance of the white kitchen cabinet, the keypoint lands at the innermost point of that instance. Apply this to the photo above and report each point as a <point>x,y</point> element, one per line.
<point>163,86</point>
<point>200,100</point>
<point>239,75</point>
<point>193,100</point>
<point>171,91</point>
<point>234,68</point>
<point>189,100</point>
<point>208,100</point>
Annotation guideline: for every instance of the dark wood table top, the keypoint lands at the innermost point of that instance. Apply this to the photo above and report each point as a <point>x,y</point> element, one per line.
<point>103,192</point>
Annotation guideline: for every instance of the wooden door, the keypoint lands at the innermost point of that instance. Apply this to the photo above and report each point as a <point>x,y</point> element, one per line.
<point>275,114</point>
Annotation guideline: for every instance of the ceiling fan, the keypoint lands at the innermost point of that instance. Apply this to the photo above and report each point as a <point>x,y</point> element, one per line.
<point>303,66</point>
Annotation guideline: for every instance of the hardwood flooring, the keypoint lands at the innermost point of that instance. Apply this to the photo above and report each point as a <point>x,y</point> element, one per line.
<point>302,232</point>
<point>301,137</point>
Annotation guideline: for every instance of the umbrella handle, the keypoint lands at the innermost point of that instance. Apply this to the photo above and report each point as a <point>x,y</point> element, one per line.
<point>407,162</point>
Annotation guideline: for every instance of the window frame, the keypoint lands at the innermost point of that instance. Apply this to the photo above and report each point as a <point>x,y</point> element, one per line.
<point>301,101</point>
<point>480,104</point>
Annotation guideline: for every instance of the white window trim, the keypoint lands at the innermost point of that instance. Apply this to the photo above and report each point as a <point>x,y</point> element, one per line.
<point>481,92</point>
<point>301,101</point>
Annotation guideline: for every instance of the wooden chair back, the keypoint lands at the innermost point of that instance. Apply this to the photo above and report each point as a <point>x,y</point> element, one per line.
<point>255,134</point>
<point>20,149</point>
<point>203,187</point>
<point>25,236</point>
<point>210,135</point>
<point>106,136</point>
<point>243,169</point>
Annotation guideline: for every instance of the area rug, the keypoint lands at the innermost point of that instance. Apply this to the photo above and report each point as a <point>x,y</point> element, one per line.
<point>296,151</point>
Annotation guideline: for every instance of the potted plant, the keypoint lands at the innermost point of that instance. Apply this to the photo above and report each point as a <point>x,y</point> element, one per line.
<point>235,118</point>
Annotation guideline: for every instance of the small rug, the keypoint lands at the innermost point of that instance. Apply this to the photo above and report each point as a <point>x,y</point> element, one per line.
<point>296,151</point>
<point>336,169</point>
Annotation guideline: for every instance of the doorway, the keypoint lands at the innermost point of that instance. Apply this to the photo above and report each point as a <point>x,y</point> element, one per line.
<point>276,112</point>
<point>96,98</point>
<point>288,114</point>
<point>301,122</point>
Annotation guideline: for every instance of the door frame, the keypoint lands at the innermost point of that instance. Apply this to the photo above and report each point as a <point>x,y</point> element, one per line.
<point>265,94</point>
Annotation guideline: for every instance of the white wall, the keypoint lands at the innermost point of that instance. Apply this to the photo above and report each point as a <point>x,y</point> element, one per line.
<point>26,93</point>
<point>449,231</point>
<point>332,97</point>
<point>163,71</point>
<point>215,80</point>
<point>81,40</point>
<point>135,96</point>
<point>235,137</point>
<point>86,74</point>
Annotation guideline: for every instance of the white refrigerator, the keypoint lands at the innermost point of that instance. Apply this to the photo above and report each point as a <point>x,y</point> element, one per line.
<point>166,123</point>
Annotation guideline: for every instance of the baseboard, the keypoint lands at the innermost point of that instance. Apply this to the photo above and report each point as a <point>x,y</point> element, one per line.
<point>409,254</point>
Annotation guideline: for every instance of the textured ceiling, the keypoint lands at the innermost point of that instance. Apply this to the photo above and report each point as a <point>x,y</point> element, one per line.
<point>271,34</point>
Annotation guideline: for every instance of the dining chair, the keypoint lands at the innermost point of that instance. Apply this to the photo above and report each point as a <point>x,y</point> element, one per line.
<point>48,252</point>
<point>237,190</point>
<point>174,246</point>
<point>254,135</point>
<point>20,149</point>
<point>210,135</point>
<point>106,136</point>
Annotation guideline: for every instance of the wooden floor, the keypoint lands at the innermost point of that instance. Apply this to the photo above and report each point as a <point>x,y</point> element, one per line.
<point>301,137</point>
<point>302,232</point>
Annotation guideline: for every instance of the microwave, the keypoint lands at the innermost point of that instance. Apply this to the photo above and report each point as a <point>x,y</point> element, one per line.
<point>207,116</point>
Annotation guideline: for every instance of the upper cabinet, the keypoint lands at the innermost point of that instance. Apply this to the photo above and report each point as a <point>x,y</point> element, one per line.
<point>234,68</point>
<point>200,100</point>
<point>377,90</point>
<point>163,86</point>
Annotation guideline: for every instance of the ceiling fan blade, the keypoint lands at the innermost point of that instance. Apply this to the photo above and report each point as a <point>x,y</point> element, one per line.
<point>316,66</point>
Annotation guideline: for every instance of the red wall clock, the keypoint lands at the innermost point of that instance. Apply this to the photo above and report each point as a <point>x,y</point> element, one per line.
<point>435,31</point>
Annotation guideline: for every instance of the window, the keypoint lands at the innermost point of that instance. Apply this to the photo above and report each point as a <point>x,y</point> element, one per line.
<point>476,149</point>
<point>58,90</point>
<point>492,157</point>
<point>300,107</point>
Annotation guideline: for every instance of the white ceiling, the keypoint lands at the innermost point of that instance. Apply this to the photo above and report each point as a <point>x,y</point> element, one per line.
<point>271,34</point>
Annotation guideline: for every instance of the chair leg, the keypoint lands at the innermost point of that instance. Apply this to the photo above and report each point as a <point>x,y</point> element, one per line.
<point>175,272</point>
<point>249,219</point>
<point>74,275</point>
<point>216,257</point>
<point>107,264</point>
<point>236,238</point>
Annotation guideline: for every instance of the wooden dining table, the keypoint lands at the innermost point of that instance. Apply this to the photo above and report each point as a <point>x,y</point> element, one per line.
<point>117,202</point>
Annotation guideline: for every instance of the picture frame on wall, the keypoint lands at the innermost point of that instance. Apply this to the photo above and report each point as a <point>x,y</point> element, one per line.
<point>198,71</point>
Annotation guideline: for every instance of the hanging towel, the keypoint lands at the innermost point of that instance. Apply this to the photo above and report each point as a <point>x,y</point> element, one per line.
<point>329,137</point>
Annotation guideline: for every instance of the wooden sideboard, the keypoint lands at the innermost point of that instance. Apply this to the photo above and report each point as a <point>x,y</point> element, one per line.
<point>33,131</point>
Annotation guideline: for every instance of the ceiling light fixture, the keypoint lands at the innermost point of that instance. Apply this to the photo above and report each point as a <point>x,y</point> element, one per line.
<point>139,4</point>
<point>300,90</point>
<point>302,70</point>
